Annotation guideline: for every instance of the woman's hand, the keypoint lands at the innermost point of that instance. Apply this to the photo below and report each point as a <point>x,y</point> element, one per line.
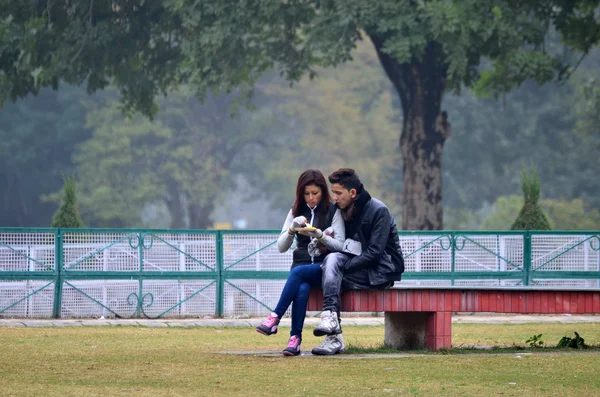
<point>297,223</point>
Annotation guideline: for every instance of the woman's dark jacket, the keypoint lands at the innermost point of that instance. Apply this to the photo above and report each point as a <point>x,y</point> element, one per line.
<point>300,254</point>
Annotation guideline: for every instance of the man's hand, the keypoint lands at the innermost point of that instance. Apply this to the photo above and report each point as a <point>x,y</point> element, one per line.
<point>317,233</point>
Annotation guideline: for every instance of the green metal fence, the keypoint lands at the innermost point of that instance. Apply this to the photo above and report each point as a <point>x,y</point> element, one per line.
<point>126,273</point>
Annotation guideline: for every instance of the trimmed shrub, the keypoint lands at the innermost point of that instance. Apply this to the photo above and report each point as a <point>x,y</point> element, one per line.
<point>68,215</point>
<point>531,216</point>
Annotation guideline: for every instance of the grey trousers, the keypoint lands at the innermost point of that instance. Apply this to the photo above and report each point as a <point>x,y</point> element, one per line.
<point>335,279</point>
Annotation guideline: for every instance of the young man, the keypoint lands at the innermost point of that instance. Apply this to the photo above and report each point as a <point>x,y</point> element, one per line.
<point>371,259</point>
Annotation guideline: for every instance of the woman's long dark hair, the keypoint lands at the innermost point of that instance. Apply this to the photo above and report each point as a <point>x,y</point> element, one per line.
<point>312,177</point>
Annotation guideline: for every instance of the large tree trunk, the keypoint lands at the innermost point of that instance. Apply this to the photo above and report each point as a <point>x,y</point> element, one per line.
<point>421,86</point>
<point>175,206</point>
<point>200,215</point>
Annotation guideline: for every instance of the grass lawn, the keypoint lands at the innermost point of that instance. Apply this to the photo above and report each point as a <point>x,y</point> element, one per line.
<point>140,361</point>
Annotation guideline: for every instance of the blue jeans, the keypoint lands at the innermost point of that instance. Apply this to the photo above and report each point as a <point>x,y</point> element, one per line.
<point>296,291</point>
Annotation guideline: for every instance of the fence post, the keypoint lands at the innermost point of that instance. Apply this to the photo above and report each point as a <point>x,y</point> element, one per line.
<point>452,257</point>
<point>58,265</point>
<point>220,281</point>
<point>527,258</point>
<point>139,308</point>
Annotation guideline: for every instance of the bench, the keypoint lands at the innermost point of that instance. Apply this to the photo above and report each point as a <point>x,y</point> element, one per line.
<point>421,317</point>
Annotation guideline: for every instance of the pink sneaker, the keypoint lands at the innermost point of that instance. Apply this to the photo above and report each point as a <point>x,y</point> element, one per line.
<point>269,326</point>
<point>293,347</point>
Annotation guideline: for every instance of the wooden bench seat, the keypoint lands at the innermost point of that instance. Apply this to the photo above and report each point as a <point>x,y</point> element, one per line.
<point>421,317</point>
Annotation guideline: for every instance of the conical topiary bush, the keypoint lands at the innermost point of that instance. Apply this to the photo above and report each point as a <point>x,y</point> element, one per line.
<point>68,215</point>
<point>531,216</point>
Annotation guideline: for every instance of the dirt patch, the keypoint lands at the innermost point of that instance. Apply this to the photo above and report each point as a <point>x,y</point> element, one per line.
<point>277,354</point>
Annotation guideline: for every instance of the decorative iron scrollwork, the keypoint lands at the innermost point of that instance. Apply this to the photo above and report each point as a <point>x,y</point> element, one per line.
<point>453,242</point>
<point>146,239</point>
<point>139,302</point>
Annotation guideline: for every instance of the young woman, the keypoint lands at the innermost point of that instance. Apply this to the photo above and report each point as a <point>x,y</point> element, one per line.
<point>314,207</point>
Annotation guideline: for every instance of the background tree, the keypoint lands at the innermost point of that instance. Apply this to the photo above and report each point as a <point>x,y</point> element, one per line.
<point>425,48</point>
<point>491,137</point>
<point>588,106</point>
<point>135,45</point>
<point>37,139</point>
<point>531,216</point>
<point>562,215</point>
<point>345,119</point>
<point>532,124</point>
<point>68,214</point>
<point>177,166</point>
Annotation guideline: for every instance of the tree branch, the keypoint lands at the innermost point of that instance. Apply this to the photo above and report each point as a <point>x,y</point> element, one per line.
<point>48,7</point>
<point>87,34</point>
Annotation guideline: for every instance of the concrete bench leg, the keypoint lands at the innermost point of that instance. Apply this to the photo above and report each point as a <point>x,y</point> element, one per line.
<point>418,330</point>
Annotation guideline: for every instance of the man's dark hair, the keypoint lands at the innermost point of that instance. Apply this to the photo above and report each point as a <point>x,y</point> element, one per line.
<point>347,178</point>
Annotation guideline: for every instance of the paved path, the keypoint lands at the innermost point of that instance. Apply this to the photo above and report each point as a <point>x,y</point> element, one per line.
<point>253,322</point>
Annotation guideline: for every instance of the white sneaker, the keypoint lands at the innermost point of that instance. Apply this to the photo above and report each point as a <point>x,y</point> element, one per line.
<point>333,344</point>
<point>329,325</point>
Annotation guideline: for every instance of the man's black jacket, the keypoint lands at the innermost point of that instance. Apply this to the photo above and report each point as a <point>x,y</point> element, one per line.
<point>374,226</point>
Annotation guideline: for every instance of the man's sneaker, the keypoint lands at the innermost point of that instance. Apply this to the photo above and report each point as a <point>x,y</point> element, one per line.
<point>329,325</point>
<point>333,344</point>
<point>269,326</point>
<point>293,347</point>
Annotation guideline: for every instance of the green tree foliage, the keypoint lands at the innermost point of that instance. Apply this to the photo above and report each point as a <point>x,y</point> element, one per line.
<point>531,216</point>
<point>179,164</point>
<point>571,214</point>
<point>561,214</point>
<point>134,45</point>
<point>37,139</point>
<point>68,214</point>
<point>588,106</point>
<point>345,119</point>
<point>356,105</point>
<point>425,48</point>
<point>492,137</point>
<point>503,213</point>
